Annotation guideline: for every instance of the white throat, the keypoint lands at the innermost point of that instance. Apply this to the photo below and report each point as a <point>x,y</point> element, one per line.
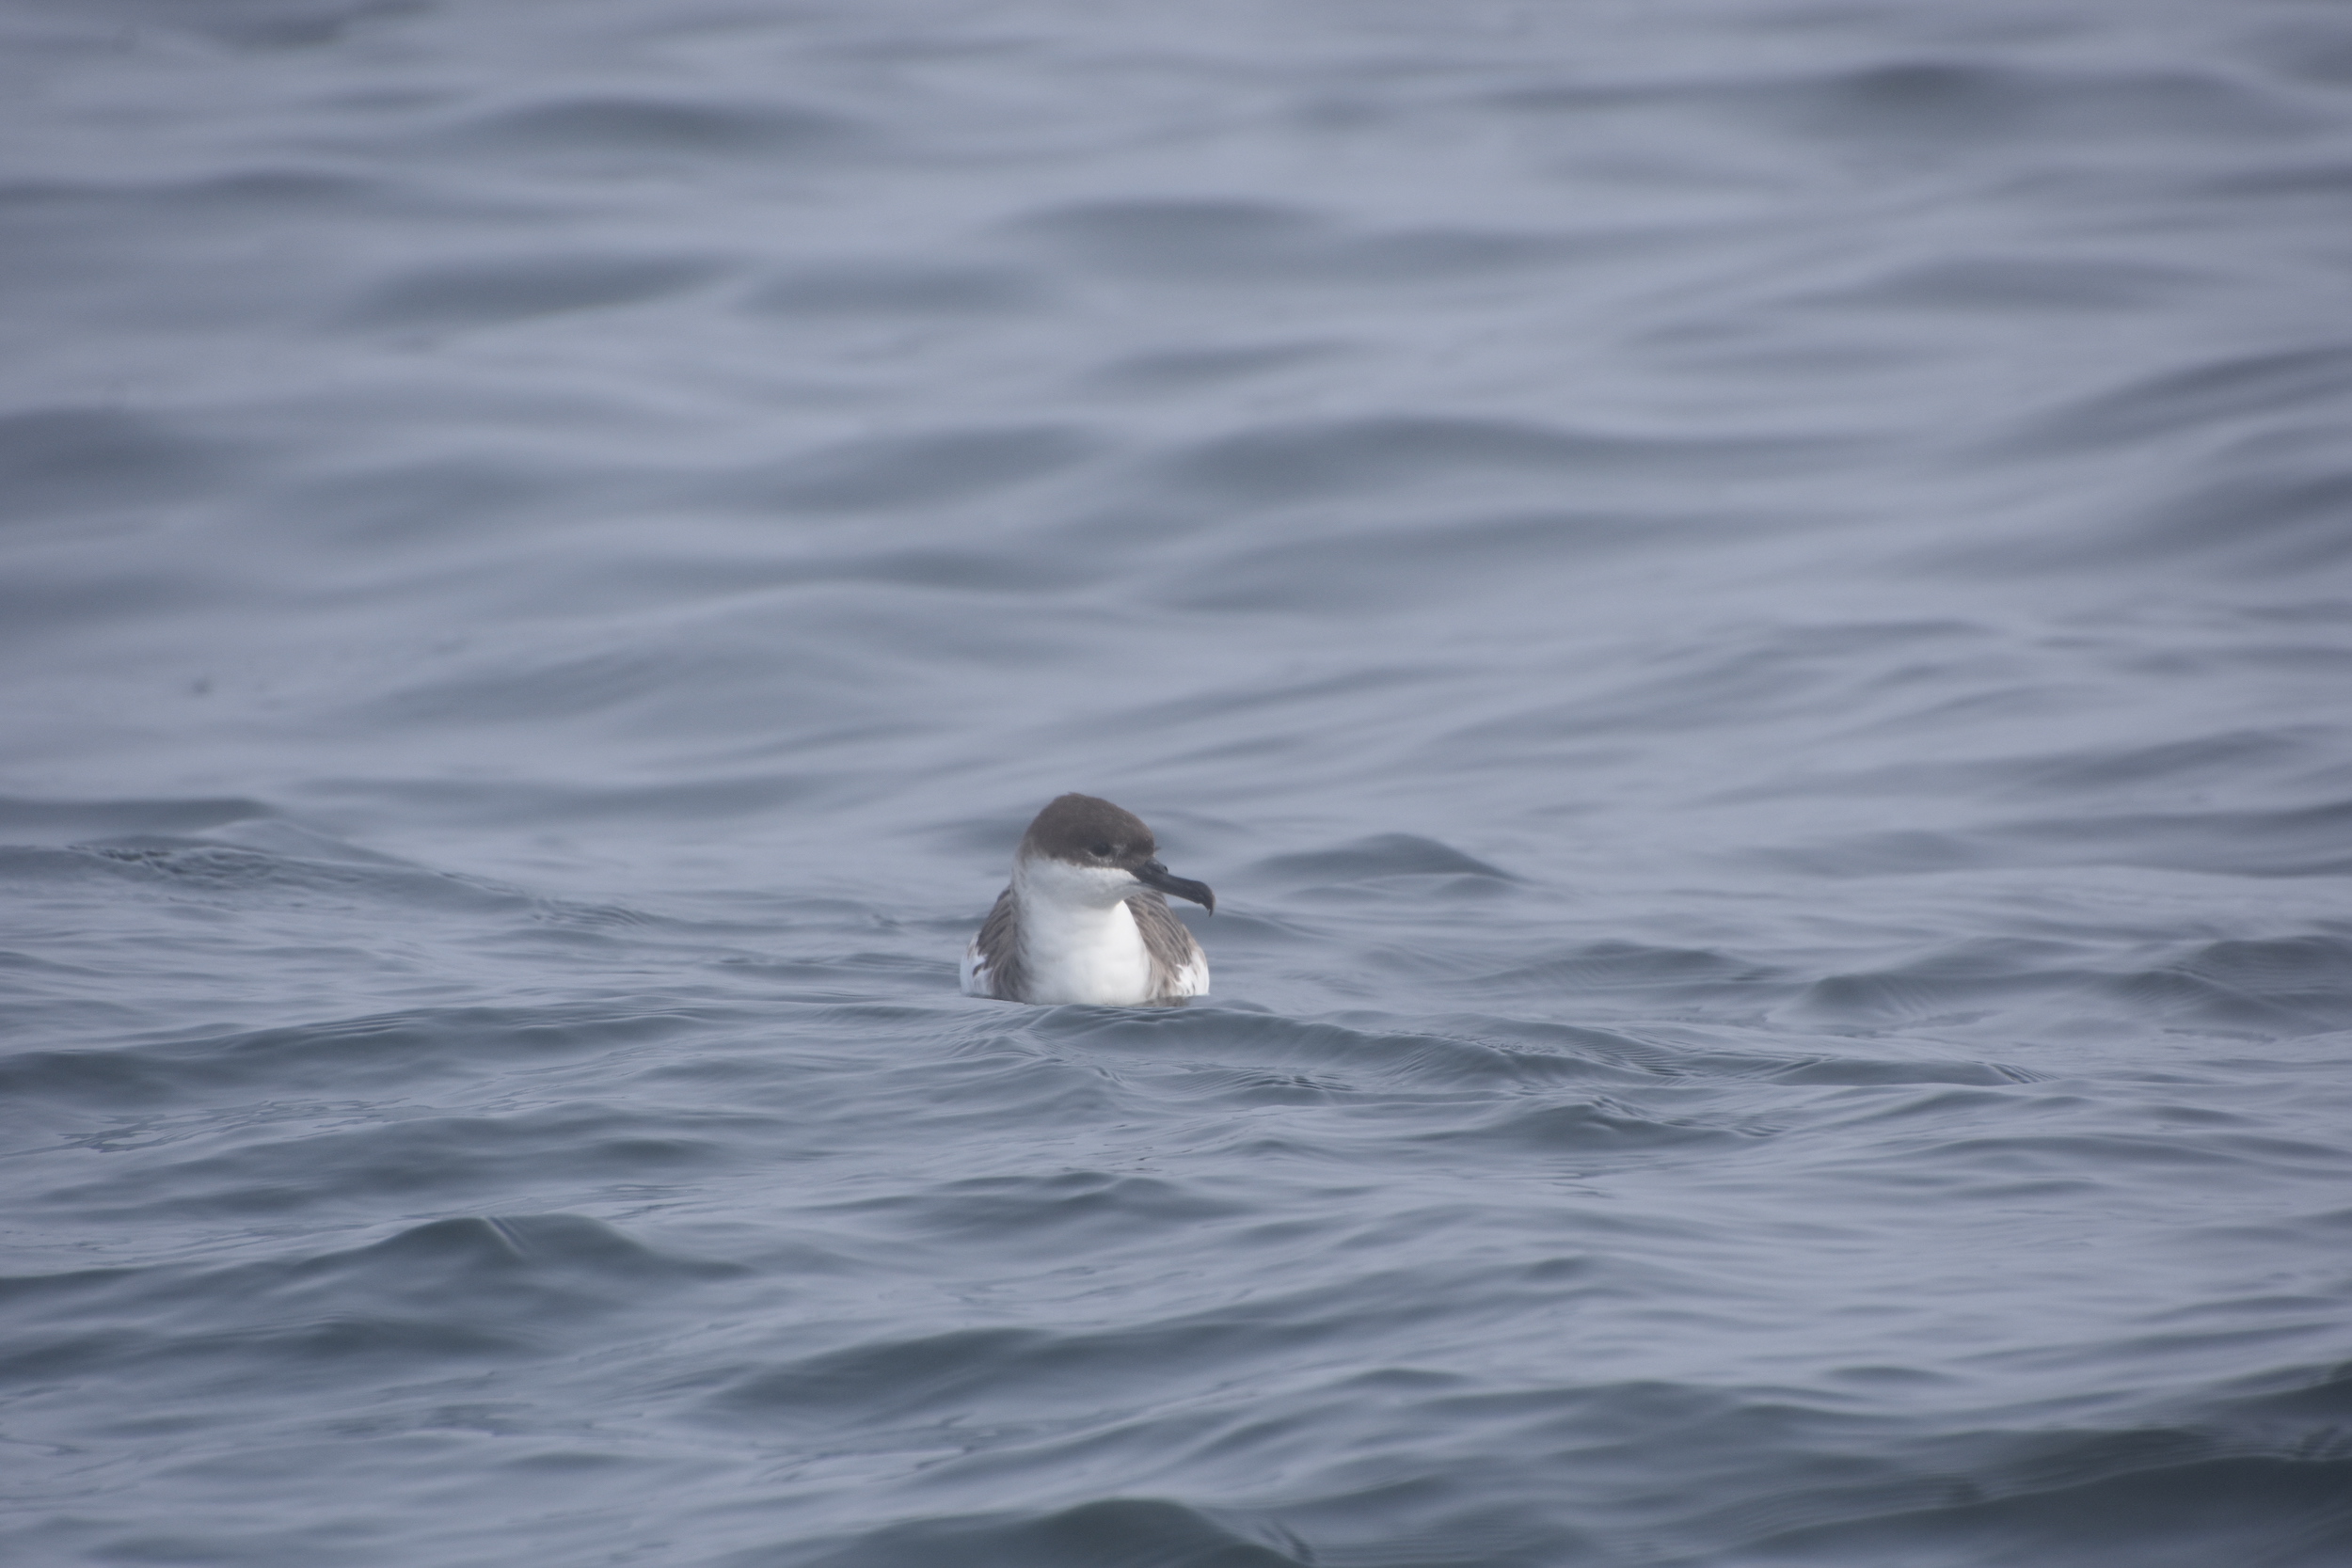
<point>1078,939</point>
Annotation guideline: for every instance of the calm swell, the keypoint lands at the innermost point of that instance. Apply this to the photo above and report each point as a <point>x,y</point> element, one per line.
<point>1748,608</point>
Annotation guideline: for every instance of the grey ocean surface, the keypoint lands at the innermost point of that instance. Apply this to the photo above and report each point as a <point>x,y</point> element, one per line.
<point>1748,607</point>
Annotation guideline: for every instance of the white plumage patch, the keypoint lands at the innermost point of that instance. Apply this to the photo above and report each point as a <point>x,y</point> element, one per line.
<point>1193,979</point>
<point>1079,938</point>
<point>1063,932</point>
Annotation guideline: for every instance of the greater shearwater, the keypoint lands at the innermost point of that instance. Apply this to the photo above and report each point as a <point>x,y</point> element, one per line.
<point>1085,919</point>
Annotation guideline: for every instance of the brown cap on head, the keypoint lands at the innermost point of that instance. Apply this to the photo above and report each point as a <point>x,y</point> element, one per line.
<point>1085,830</point>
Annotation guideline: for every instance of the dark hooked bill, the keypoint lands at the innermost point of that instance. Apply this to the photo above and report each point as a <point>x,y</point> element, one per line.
<point>1152,873</point>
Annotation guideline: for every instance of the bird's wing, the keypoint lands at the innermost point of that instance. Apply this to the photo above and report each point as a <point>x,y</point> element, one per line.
<point>1179,967</point>
<point>992,965</point>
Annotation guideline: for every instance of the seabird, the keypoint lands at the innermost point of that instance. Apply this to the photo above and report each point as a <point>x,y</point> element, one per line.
<point>1085,919</point>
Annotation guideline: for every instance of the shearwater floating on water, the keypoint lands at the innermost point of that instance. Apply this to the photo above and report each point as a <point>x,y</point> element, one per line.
<point>1086,919</point>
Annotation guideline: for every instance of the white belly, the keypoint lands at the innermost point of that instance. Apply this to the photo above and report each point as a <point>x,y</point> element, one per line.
<point>1092,955</point>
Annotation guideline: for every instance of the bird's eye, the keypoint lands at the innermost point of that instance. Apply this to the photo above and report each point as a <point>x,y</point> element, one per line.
<point>1101,849</point>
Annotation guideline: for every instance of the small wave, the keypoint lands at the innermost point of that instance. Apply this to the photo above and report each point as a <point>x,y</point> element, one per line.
<point>2188,1513</point>
<point>559,684</point>
<point>1225,242</point>
<point>1605,1128</point>
<point>2280,517</point>
<point>272,24</point>
<point>886,287</point>
<point>1380,855</point>
<point>1055,1214</point>
<point>1137,1532</point>
<point>1979,106</point>
<point>2201,398</point>
<point>2190,995</point>
<point>2281,967</point>
<point>2287,986</point>
<point>381,1049</point>
<point>236,873</point>
<point>623,124</point>
<point>494,1286</point>
<point>321,1162</point>
<point>1335,1054</point>
<point>1374,567</point>
<point>983,1375</point>
<point>1167,370</point>
<point>61,822</point>
<point>2295,841</point>
<point>428,1260</point>
<point>885,473</point>
<point>1617,966</point>
<point>69,461</point>
<point>1996,284</point>
<point>482,293</point>
<point>1302,460</point>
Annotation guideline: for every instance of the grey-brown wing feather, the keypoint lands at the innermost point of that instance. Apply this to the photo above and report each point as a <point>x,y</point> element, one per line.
<point>999,948</point>
<point>1170,947</point>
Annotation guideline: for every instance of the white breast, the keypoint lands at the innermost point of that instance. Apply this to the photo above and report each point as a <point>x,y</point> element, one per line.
<point>1083,955</point>
<point>1079,938</point>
